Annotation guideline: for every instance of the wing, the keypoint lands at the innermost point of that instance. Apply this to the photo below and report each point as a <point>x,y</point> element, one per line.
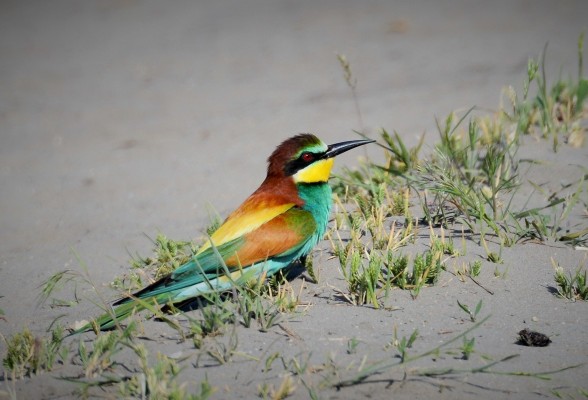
<point>282,236</point>
<point>253,213</point>
<point>202,268</point>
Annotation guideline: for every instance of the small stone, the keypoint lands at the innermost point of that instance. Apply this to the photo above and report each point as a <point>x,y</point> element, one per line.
<point>77,325</point>
<point>533,339</point>
<point>177,355</point>
<point>534,319</point>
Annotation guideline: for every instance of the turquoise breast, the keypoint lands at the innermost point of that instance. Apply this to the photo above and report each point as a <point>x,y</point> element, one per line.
<point>317,200</point>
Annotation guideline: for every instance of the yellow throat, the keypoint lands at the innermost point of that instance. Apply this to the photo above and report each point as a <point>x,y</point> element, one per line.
<point>318,171</point>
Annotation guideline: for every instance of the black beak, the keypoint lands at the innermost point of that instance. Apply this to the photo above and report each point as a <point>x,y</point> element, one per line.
<point>338,148</point>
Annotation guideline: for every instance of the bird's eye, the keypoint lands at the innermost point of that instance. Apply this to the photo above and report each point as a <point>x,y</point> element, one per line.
<point>307,157</point>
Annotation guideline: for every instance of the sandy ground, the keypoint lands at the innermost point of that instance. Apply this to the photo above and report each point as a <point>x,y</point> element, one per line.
<point>120,119</point>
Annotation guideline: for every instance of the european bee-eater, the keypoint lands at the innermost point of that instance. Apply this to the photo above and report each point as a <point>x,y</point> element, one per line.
<point>278,224</point>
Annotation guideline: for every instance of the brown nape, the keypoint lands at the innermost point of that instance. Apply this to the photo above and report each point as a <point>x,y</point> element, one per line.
<point>277,189</point>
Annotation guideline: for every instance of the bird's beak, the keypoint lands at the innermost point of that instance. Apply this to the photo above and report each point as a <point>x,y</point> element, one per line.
<point>338,148</point>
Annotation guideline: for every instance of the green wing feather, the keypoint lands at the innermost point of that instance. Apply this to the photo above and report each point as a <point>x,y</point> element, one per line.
<point>202,267</point>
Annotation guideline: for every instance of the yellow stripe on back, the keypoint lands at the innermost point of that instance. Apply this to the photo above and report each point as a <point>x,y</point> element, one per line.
<point>244,221</point>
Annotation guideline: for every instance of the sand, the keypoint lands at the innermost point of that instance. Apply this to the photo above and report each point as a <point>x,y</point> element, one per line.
<point>122,119</point>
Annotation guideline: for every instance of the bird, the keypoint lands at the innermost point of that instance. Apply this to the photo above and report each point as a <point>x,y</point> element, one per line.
<point>278,224</point>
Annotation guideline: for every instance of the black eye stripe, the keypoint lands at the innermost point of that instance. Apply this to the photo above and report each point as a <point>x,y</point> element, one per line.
<point>303,160</point>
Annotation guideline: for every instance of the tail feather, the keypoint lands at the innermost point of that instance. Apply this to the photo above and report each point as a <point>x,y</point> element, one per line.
<point>110,319</point>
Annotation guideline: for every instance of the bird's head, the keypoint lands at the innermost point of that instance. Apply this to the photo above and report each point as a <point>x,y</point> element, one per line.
<point>306,158</point>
